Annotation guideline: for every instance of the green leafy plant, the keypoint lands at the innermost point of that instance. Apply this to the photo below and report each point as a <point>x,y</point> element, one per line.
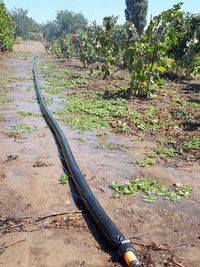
<point>146,51</point>
<point>152,189</point>
<point>64,178</point>
<point>110,146</point>
<point>166,151</point>
<point>6,101</point>
<point>23,113</point>
<point>145,163</point>
<point>150,154</point>
<point>79,139</point>
<point>137,139</point>
<point>20,128</point>
<point>12,157</point>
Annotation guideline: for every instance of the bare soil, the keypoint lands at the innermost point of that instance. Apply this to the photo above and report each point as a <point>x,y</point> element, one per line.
<point>41,225</point>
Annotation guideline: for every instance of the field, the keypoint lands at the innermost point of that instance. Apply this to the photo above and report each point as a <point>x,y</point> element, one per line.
<point>139,156</point>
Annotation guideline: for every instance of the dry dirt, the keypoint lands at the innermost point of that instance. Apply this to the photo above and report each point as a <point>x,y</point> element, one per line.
<point>38,211</point>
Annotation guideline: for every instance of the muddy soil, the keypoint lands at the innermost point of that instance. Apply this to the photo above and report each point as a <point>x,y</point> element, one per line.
<point>39,220</point>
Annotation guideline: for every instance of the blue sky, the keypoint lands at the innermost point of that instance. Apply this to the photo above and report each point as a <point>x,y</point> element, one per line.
<point>45,10</point>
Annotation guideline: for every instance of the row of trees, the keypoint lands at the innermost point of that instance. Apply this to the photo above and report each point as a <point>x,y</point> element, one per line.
<point>171,42</point>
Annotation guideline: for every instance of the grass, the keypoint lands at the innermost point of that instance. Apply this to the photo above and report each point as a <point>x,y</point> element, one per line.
<point>152,188</point>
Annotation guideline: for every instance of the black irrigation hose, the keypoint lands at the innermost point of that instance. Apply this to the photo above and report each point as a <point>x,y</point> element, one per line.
<point>108,228</point>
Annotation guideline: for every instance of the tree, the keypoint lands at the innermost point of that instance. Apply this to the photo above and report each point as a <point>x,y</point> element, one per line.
<point>66,22</point>
<point>7,28</point>
<point>136,13</point>
<point>24,24</point>
<point>20,17</point>
<point>70,22</point>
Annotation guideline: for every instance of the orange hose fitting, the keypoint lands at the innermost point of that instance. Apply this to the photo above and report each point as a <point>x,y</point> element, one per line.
<point>129,257</point>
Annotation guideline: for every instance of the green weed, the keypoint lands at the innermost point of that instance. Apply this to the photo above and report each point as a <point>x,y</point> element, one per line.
<point>23,113</point>
<point>64,178</point>
<point>21,78</point>
<point>86,122</point>
<point>152,189</point>
<point>12,157</point>
<point>100,134</point>
<point>6,101</point>
<point>193,143</point>
<point>79,139</point>
<point>166,141</point>
<point>20,128</point>
<point>145,163</point>
<point>110,146</point>
<point>150,154</point>
<point>137,139</point>
<point>166,151</point>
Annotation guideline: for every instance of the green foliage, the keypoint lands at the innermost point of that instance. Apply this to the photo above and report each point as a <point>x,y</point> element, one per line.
<point>20,128</point>
<point>62,47</point>
<point>64,178</point>
<point>193,143</point>
<point>145,163</point>
<point>7,28</point>
<point>79,139</point>
<point>24,24</point>
<point>137,139</point>
<point>86,122</point>
<point>136,12</point>
<point>23,113</point>
<point>70,22</point>
<point>185,51</point>
<point>166,151</point>
<point>86,49</point>
<point>110,146</point>
<point>153,188</point>
<point>6,100</point>
<point>104,46</point>
<point>146,51</point>
<point>150,154</point>
<point>12,157</point>
<point>66,22</point>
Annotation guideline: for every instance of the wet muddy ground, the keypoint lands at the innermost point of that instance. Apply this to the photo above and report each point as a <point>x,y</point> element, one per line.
<point>39,220</point>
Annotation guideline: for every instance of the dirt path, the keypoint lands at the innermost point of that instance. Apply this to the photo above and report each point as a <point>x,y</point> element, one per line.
<point>30,188</point>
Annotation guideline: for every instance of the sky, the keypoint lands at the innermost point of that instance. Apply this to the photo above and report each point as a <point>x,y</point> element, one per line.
<point>45,10</point>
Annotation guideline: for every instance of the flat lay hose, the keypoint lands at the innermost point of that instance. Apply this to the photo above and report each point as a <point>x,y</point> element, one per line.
<point>108,228</point>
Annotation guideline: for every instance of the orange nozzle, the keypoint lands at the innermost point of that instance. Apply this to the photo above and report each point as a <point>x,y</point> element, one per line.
<point>129,256</point>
